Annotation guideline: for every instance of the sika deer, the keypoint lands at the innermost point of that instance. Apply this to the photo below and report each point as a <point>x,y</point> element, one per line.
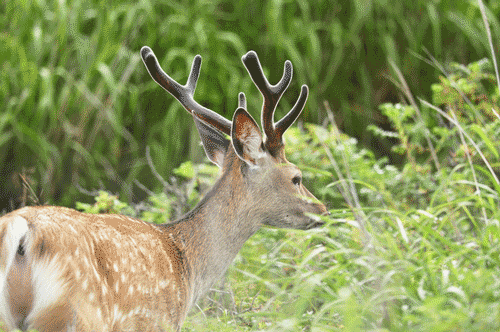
<point>62,270</point>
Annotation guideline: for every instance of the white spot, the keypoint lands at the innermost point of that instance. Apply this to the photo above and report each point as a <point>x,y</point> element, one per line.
<point>115,267</point>
<point>86,261</point>
<point>72,229</point>
<point>97,276</point>
<point>117,314</point>
<point>170,265</point>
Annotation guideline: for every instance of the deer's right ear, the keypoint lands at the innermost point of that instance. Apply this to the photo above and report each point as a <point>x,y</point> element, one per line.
<point>246,137</point>
<point>214,142</point>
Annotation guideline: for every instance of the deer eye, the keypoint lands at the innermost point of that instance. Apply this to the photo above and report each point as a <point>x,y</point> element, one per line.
<point>296,180</point>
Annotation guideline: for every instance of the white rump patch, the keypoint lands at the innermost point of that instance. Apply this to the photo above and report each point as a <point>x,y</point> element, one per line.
<point>48,285</point>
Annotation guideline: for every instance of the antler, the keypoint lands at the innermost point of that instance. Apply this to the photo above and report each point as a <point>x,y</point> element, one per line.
<point>272,94</point>
<point>184,93</point>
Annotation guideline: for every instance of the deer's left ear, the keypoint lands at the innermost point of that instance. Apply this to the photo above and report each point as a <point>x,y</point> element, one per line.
<point>214,142</point>
<point>246,137</point>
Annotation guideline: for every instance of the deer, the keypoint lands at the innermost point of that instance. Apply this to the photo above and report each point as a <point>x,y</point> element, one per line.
<point>64,270</point>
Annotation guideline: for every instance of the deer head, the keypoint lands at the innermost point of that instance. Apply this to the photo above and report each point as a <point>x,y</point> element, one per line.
<point>272,185</point>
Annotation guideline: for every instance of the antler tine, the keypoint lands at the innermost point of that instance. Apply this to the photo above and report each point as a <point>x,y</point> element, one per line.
<point>283,124</point>
<point>271,93</point>
<point>242,101</point>
<point>184,93</point>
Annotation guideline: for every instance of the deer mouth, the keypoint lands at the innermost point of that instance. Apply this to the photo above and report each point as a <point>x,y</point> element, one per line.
<point>315,224</point>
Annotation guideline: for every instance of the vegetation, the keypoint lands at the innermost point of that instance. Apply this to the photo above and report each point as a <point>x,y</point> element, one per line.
<point>413,243</point>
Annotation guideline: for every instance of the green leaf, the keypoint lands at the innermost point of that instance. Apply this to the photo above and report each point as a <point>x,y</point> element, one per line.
<point>489,144</point>
<point>185,170</point>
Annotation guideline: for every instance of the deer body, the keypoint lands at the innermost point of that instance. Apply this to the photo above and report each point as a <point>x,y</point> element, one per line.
<point>63,270</point>
<point>109,271</point>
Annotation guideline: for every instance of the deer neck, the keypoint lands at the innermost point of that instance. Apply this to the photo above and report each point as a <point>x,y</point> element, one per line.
<point>216,229</point>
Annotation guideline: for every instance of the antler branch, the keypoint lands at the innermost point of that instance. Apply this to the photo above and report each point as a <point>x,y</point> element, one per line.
<point>242,101</point>
<point>184,93</point>
<point>282,125</point>
<point>272,95</point>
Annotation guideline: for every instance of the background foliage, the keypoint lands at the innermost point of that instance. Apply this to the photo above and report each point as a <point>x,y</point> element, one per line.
<point>405,149</point>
